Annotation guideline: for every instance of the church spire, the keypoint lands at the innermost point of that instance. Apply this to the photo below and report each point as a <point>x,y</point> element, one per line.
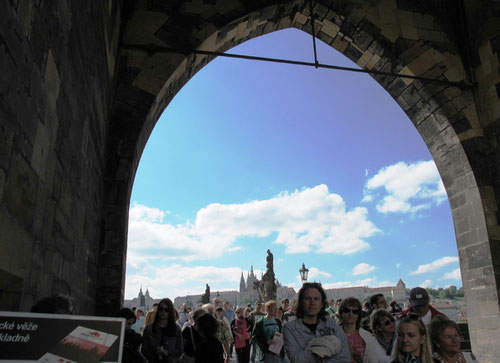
<point>242,283</point>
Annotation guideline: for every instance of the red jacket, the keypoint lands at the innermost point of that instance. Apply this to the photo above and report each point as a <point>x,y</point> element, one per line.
<point>408,310</point>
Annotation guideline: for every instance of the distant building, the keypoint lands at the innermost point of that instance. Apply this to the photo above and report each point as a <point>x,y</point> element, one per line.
<point>143,301</point>
<point>397,293</point>
<point>248,294</point>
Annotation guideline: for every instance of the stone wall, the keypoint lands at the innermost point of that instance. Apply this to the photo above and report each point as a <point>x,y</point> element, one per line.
<point>54,109</point>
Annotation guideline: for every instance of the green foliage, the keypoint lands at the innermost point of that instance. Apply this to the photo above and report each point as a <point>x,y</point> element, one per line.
<point>450,293</point>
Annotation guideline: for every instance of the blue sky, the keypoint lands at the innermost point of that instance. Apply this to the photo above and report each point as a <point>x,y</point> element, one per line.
<point>320,166</point>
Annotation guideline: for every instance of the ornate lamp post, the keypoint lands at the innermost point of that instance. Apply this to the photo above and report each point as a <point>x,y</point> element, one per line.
<point>303,274</point>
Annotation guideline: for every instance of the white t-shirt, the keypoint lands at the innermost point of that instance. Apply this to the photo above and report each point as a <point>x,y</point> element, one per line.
<point>426,319</point>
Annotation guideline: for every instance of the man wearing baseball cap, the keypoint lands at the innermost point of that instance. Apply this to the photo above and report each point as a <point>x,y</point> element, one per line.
<point>419,305</point>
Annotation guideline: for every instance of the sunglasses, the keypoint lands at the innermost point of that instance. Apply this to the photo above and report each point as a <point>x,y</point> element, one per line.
<point>163,309</point>
<point>348,310</point>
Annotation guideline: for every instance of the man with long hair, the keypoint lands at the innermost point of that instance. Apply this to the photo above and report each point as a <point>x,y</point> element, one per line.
<point>314,336</point>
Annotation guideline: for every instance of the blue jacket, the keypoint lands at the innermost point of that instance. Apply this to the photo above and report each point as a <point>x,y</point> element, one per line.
<point>296,336</point>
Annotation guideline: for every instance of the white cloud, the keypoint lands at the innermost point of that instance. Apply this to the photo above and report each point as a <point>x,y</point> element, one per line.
<point>362,268</point>
<point>370,282</point>
<point>408,188</point>
<point>453,275</point>
<point>337,285</point>
<point>434,266</point>
<point>398,265</point>
<point>311,219</point>
<point>426,283</point>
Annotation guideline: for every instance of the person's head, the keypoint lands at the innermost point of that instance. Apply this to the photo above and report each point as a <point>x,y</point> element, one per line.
<point>155,306</point>
<point>367,307</point>
<point>139,313</point>
<point>184,306</point>
<point>350,311</point>
<point>227,305</point>
<point>382,323</point>
<point>134,309</point>
<point>217,302</point>
<point>285,303</point>
<point>129,316</point>
<point>209,308</point>
<point>190,317</point>
<point>394,307</point>
<point>271,308</point>
<point>165,313</point>
<point>378,301</point>
<point>218,313</point>
<point>239,313</point>
<point>413,339</point>
<point>247,311</point>
<point>207,325</point>
<point>445,336</point>
<point>54,304</point>
<point>338,302</point>
<point>197,313</point>
<point>311,301</point>
<point>419,301</point>
<point>258,306</point>
<point>280,313</point>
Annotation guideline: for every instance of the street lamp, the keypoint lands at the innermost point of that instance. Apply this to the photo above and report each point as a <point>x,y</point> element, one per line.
<point>303,273</point>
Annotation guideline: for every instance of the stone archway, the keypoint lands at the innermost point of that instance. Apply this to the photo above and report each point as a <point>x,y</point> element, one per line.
<point>370,35</point>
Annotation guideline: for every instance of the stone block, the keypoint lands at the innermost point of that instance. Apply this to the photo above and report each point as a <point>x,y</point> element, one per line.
<point>16,246</point>
<point>62,286</point>
<point>52,79</point>
<point>57,263</point>
<point>468,238</point>
<point>20,189</point>
<point>2,184</point>
<point>339,44</point>
<point>40,151</point>
<point>457,201</point>
<point>25,12</point>
<point>476,256</point>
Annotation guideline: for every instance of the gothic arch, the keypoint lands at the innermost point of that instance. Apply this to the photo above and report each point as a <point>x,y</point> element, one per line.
<point>384,37</point>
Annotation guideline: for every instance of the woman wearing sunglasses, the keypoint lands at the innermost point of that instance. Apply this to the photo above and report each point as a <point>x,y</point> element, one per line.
<point>361,342</point>
<point>384,329</point>
<point>413,344</point>
<point>162,340</point>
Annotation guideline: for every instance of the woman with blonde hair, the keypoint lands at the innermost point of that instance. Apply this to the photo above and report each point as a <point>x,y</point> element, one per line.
<point>413,345</point>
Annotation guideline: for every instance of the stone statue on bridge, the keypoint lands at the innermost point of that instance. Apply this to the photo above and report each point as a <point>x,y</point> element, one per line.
<point>267,286</point>
<point>205,298</point>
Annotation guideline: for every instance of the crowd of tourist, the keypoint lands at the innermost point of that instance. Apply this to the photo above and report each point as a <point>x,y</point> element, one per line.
<point>310,329</point>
